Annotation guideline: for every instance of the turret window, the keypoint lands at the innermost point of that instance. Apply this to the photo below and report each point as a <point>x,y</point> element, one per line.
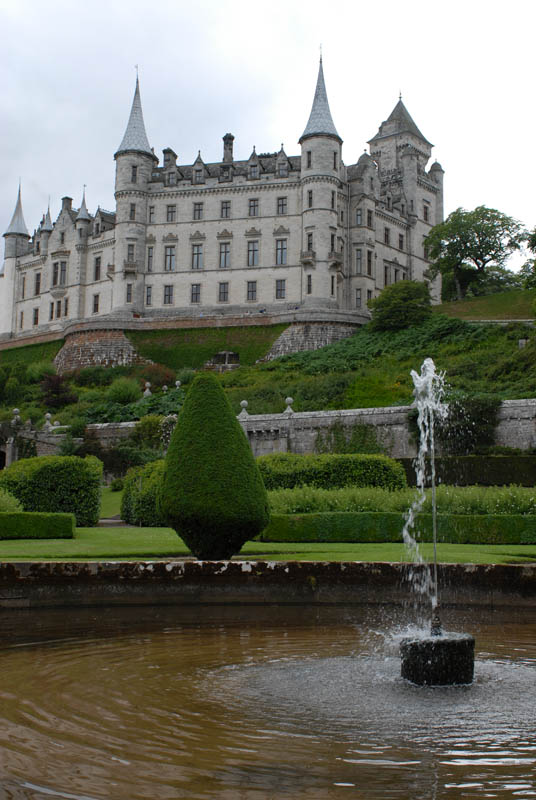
<point>309,241</point>
<point>358,262</point>
<point>197,256</point>
<point>332,285</point>
<point>55,273</point>
<point>134,175</point>
<point>128,296</point>
<point>254,207</point>
<point>281,252</point>
<point>332,243</point>
<point>369,218</point>
<point>58,308</point>
<point>334,159</point>
<point>400,241</point>
<point>310,198</point>
<point>358,298</point>
<point>51,312</point>
<point>369,263</point>
<point>132,213</point>
<point>65,306</point>
<point>171,213</point>
<point>309,159</point>
<point>169,258</point>
<point>130,253</point>
<point>309,284</point>
<point>426,212</point>
<point>358,217</point>
<point>387,236</point>
<point>333,200</point>
<point>23,287</point>
<point>97,269</point>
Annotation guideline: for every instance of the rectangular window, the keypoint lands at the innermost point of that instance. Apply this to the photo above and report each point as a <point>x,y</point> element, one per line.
<point>332,242</point>
<point>132,214</point>
<point>62,237</point>
<point>225,255</point>
<point>387,236</point>
<point>130,253</point>
<point>197,256</point>
<point>358,217</point>
<point>333,200</point>
<point>309,159</point>
<point>369,294</point>
<point>223,292</point>
<point>253,254</point>
<point>334,159</point>
<point>385,275</point>
<point>310,198</point>
<point>169,258</point>
<point>225,212</point>
<point>254,208</point>
<point>281,252</point>
<point>95,303</point>
<point>309,284</point>
<point>400,241</point>
<point>254,171</point>
<point>148,295</point>
<point>58,308</point>
<point>425,212</point>
<point>198,175</point>
<point>151,214</point>
<point>134,175</point>
<point>171,213</point>
<point>172,178</point>
<point>358,298</point>
<point>358,262</point>
<point>369,262</point>
<point>23,288</point>
<point>283,170</point>
<point>195,293</point>
<point>63,273</point>
<point>198,210</point>
<point>252,290</point>
<point>97,228</point>
<point>369,218</point>
<point>55,273</point>
<point>309,241</point>
<point>38,244</point>
<point>281,205</point>
<point>36,316</point>
<point>280,289</point>
<point>37,283</point>
<point>150,255</point>
<point>21,320</point>
<point>65,306</point>
<point>332,285</point>
<point>97,269</point>
<point>168,295</point>
<point>128,297</point>
<point>51,312</point>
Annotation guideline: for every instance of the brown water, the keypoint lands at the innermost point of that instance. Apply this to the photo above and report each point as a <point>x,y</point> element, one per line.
<point>258,703</point>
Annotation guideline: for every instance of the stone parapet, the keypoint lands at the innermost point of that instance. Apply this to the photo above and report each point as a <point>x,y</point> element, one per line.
<point>91,348</point>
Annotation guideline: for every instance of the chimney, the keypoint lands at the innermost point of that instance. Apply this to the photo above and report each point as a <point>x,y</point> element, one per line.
<point>228,140</point>
<point>66,203</point>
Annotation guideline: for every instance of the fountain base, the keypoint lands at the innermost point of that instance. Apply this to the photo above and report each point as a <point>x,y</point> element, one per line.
<point>443,660</point>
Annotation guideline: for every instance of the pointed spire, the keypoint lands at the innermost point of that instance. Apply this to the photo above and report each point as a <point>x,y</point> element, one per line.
<point>47,226</point>
<point>320,120</point>
<point>17,224</point>
<point>135,137</point>
<point>83,213</point>
<point>399,121</point>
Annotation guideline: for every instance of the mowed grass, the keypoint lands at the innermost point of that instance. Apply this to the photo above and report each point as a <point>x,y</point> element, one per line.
<point>516,304</point>
<point>110,503</point>
<point>130,543</point>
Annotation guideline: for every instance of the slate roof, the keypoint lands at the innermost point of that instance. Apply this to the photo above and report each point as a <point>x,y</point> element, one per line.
<point>135,137</point>
<point>320,120</point>
<point>17,224</point>
<point>399,121</point>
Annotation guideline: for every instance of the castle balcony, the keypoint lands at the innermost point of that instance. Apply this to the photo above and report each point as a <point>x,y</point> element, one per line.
<point>130,267</point>
<point>58,292</point>
<point>308,258</point>
<point>335,258</point>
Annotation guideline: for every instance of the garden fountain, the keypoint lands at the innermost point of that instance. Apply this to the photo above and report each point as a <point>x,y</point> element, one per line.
<point>439,658</point>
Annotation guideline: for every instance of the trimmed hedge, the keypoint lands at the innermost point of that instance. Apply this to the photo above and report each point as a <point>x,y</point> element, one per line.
<point>379,527</point>
<point>57,484</point>
<point>330,471</point>
<point>36,525</point>
<point>480,470</point>
<point>139,500</point>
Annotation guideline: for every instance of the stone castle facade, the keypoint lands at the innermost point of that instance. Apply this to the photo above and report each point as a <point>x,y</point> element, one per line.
<point>303,238</point>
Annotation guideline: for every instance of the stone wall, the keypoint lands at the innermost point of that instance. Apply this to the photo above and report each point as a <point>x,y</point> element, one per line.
<point>107,348</point>
<point>308,336</point>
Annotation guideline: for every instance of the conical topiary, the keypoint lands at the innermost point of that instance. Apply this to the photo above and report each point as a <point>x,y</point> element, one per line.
<point>212,494</point>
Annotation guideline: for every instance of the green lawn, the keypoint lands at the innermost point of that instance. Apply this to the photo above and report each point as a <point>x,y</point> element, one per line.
<point>153,543</point>
<point>110,503</point>
<point>516,304</point>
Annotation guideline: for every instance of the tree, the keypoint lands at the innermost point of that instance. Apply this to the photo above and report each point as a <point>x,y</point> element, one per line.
<point>527,273</point>
<point>400,305</point>
<point>212,493</point>
<point>468,244</point>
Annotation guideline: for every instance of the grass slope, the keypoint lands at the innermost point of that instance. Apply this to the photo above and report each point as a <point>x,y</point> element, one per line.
<point>515,304</point>
<point>30,353</point>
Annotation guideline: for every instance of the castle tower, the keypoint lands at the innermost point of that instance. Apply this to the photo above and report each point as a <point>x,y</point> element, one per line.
<point>46,229</point>
<point>134,163</point>
<point>320,183</point>
<point>16,245</point>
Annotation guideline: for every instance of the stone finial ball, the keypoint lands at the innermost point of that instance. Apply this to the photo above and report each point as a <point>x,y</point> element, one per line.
<point>243,404</point>
<point>16,411</point>
<point>289,401</point>
<point>178,384</point>
<point>48,416</point>
<point>147,385</point>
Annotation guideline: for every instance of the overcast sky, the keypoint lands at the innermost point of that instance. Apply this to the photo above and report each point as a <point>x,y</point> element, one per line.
<point>465,70</point>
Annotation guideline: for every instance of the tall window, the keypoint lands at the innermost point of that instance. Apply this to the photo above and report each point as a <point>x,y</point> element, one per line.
<point>171,213</point>
<point>65,306</point>
<point>55,273</point>
<point>254,171</point>
<point>333,200</point>
<point>168,295</point>
<point>63,273</point>
<point>62,237</point>
<point>400,241</point>
<point>95,303</point>
<point>225,209</point>
<point>387,236</point>
<point>130,253</point>
<point>332,285</point>
<point>225,255</point>
<point>97,269</point>
<point>132,214</point>
<point>369,262</point>
<point>281,205</point>
<point>197,256</point>
<point>281,252</point>
<point>198,175</point>
<point>198,210</point>
<point>309,159</point>
<point>369,218</point>
<point>358,298</point>
<point>223,292</point>
<point>128,297</point>
<point>23,288</point>
<point>309,241</point>
<point>169,258</point>
<point>254,207</point>
<point>51,312</point>
<point>310,198</point>
<point>151,214</point>
<point>134,175</point>
<point>280,289</point>
<point>283,169</point>
<point>253,254</point>
<point>332,242</point>
<point>252,291</point>
<point>426,212</point>
<point>21,320</point>
<point>150,256</point>
<point>195,293</point>
<point>148,295</point>
<point>36,316</point>
<point>309,284</point>
<point>358,217</point>
<point>37,283</point>
<point>58,308</point>
<point>369,294</point>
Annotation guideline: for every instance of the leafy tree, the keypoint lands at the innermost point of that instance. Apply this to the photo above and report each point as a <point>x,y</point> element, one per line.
<point>468,244</point>
<point>400,305</point>
<point>527,273</point>
<point>212,493</point>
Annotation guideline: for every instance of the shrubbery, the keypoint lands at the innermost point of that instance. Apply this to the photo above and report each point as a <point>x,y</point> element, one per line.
<point>400,305</point>
<point>9,502</point>
<point>36,525</point>
<point>58,484</point>
<point>287,470</point>
<point>123,391</point>
<point>139,501</point>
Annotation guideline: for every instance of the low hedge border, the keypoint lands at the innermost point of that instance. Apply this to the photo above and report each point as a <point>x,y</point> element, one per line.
<point>330,471</point>
<point>36,525</point>
<point>479,470</point>
<point>372,527</point>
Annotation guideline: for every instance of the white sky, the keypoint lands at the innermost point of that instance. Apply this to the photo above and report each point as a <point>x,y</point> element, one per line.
<point>465,70</point>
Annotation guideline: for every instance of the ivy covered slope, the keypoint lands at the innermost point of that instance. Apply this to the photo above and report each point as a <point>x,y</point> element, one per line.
<point>212,492</point>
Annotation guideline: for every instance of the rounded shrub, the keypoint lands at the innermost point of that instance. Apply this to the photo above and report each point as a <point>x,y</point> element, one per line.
<point>123,391</point>
<point>36,372</point>
<point>8,502</point>
<point>212,492</point>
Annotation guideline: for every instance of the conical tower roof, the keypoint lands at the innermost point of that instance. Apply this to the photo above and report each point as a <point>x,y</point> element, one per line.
<point>83,213</point>
<point>47,226</point>
<point>17,224</point>
<point>399,121</point>
<point>135,137</point>
<point>320,120</point>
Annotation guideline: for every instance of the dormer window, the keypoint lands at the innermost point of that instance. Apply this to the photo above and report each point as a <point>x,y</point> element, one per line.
<point>198,176</point>
<point>283,170</point>
<point>172,179</point>
<point>97,228</point>
<point>225,173</point>
<point>254,171</point>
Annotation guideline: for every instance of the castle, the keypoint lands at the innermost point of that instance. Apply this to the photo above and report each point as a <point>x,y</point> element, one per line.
<point>300,238</point>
